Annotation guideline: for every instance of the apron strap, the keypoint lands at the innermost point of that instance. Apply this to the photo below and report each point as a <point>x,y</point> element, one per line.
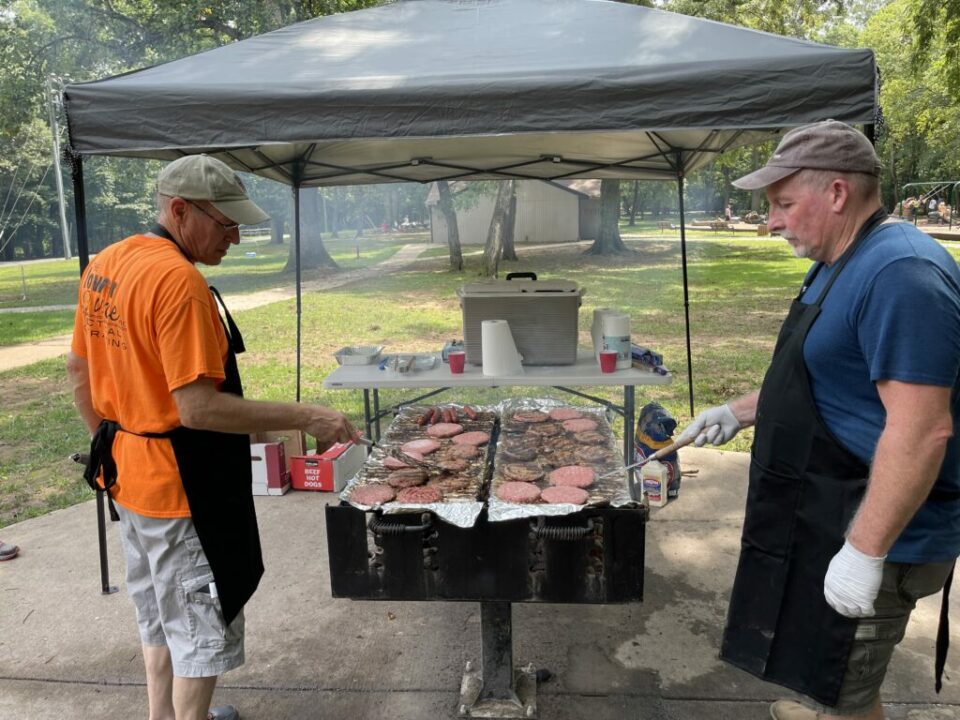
<point>101,459</point>
<point>943,634</point>
<point>233,332</point>
<point>868,227</point>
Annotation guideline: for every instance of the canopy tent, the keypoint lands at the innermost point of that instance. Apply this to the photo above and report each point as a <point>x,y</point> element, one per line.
<point>425,90</point>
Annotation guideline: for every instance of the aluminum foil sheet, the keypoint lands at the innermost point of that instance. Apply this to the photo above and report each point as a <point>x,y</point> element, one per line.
<point>458,478</point>
<point>534,441</point>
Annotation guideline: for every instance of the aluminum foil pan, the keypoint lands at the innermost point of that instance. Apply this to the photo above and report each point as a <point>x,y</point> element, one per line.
<point>450,469</point>
<point>539,436</point>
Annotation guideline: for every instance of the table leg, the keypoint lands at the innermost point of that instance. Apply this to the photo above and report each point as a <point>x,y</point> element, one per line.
<point>376,412</point>
<point>628,429</point>
<point>367,422</point>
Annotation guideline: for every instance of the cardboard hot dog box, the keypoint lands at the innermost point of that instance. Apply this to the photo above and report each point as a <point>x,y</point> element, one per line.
<point>328,471</point>
<point>542,315</point>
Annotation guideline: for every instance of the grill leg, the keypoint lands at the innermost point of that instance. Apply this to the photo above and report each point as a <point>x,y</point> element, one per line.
<point>496,690</point>
<point>367,419</point>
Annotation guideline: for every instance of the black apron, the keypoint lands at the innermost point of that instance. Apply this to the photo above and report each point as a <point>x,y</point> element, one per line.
<point>804,490</point>
<point>217,480</point>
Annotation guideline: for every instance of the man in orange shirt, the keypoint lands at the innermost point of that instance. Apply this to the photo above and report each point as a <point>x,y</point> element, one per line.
<point>154,372</point>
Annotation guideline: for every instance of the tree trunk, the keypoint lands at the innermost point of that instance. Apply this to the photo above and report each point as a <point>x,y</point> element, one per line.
<point>608,242</point>
<point>333,207</point>
<point>633,205</point>
<point>509,232</point>
<point>276,230</point>
<point>493,250</point>
<point>453,232</point>
<point>313,253</point>
<point>756,196</point>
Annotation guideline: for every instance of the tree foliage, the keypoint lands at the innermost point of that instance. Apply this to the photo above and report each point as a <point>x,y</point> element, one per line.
<point>917,43</point>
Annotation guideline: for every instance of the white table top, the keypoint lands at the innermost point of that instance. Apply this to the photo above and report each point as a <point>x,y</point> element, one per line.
<point>586,371</point>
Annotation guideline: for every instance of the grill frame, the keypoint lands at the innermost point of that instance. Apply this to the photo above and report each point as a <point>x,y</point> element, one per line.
<point>416,556</point>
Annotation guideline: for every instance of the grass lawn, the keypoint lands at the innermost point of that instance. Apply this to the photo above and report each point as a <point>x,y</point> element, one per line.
<point>54,282</point>
<point>740,289</point>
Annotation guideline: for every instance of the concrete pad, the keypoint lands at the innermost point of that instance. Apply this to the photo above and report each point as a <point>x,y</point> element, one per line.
<point>68,651</point>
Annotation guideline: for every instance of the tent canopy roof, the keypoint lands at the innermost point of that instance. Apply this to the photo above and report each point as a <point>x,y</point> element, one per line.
<point>475,89</point>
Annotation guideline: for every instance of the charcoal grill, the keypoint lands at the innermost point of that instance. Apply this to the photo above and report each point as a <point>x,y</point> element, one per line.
<point>593,556</point>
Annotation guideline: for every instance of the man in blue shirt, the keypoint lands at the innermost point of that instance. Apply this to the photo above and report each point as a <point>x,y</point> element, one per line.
<point>853,510</point>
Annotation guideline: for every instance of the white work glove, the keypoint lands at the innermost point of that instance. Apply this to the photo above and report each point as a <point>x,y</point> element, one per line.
<point>853,581</point>
<point>716,425</point>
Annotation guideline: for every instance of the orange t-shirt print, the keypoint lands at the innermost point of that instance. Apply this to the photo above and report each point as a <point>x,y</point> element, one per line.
<point>147,325</point>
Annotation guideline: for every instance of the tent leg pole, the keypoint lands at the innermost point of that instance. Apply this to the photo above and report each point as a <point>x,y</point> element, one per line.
<point>296,246</point>
<point>83,250</point>
<point>686,290</point>
<point>80,209</point>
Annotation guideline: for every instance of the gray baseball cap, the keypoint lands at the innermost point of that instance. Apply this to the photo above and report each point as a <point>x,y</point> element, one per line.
<point>826,145</point>
<point>201,177</point>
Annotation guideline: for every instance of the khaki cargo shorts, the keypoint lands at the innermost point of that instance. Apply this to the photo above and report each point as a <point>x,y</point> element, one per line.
<point>902,585</point>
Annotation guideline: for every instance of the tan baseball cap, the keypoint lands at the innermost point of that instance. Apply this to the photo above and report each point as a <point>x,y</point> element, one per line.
<point>201,177</point>
<point>826,145</point>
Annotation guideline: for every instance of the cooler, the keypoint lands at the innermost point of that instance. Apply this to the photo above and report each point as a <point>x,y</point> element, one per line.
<point>542,315</point>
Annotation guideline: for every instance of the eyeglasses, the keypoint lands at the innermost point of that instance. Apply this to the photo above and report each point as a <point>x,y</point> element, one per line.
<point>226,227</point>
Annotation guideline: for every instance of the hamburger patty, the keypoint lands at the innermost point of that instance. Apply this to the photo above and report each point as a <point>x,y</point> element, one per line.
<point>590,437</point>
<point>444,430</point>
<point>462,451</point>
<point>373,494</point>
<point>522,472</point>
<point>575,475</point>
<point>424,446</point>
<point>425,494</point>
<point>407,477</point>
<point>475,437</point>
<point>593,454</point>
<point>579,425</point>
<point>518,492</point>
<point>530,416</point>
<point>564,494</point>
<point>565,414</point>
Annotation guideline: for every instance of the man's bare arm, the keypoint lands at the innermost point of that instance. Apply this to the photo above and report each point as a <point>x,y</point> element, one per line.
<point>79,374</point>
<point>906,463</point>
<point>202,407</point>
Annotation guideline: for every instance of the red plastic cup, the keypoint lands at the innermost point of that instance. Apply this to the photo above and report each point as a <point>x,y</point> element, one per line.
<point>608,361</point>
<point>457,359</point>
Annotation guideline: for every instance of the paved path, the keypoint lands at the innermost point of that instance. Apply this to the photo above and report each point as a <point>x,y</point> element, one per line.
<point>14,356</point>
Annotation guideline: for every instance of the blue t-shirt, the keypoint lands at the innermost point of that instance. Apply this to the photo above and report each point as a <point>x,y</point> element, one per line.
<point>892,314</point>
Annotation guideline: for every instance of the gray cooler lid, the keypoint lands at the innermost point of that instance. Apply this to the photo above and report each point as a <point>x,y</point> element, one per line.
<point>518,286</point>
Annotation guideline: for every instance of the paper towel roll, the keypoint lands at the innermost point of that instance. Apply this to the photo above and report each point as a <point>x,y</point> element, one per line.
<point>596,329</point>
<point>616,336</point>
<point>499,352</point>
